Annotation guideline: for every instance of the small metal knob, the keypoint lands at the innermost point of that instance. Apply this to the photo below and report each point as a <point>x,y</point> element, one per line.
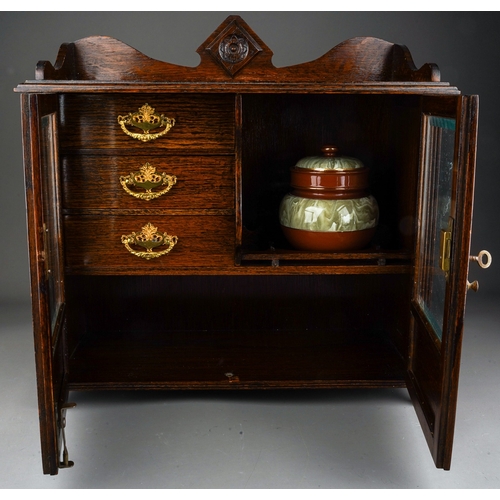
<point>474,286</point>
<point>479,259</point>
<point>329,150</point>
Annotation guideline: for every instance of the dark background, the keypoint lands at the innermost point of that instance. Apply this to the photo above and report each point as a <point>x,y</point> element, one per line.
<point>465,45</point>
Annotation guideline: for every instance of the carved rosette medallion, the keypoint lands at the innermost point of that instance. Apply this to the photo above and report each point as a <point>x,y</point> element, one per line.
<point>233,48</point>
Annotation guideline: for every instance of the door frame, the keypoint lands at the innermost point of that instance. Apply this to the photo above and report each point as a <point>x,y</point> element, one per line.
<point>433,364</point>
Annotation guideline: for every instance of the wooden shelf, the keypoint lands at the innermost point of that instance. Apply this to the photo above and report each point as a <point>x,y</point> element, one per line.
<point>371,261</point>
<point>298,255</point>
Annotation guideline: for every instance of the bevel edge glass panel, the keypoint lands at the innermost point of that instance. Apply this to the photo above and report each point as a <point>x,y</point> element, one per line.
<point>441,122</point>
<point>50,215</point>
<point>436,204</point>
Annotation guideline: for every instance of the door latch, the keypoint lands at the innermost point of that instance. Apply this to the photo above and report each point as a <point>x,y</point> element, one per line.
<point>445,248</point>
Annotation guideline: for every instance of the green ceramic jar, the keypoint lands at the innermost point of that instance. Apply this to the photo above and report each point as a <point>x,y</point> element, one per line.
<point>329,207</point>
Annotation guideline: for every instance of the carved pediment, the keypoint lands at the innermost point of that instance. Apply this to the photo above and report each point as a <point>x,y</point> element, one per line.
<point>234,53</point>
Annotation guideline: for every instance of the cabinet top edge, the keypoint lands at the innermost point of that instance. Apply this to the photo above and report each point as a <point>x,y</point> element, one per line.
<point>75,86</point>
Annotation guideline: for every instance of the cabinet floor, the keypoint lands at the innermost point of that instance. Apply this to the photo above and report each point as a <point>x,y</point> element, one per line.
<point>344,438</point>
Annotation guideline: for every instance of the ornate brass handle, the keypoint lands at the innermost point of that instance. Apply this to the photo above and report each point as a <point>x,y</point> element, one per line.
<point>147,178</point>
<point>145,119</point>
<point>149,238</point>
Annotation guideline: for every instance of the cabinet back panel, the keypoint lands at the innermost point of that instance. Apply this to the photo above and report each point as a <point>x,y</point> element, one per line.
<point>185,303</point>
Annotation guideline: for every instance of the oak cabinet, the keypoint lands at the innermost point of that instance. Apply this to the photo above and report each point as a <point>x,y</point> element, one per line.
<point>157,259</point>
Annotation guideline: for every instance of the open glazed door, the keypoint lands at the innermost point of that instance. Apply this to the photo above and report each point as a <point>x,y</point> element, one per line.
<point>39,122</point>
<point>448,150</point>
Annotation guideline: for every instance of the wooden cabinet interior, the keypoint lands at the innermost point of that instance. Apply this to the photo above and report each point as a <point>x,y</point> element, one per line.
<point>381,130</point>
<point>232,305</point>
<point>269,331</point>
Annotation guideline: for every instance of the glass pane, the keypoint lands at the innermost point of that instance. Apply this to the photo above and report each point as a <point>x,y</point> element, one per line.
<point>435,217</point>
<point>51,215</point>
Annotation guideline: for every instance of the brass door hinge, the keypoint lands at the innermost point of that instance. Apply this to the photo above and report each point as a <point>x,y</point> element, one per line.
<point>65,462</point>
<point>445,248</point>
<point>46,263</point>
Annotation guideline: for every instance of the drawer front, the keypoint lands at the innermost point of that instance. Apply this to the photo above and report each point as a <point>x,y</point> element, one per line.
<point>124,182</point>
<point>202,122</point>
<point>96,242</point>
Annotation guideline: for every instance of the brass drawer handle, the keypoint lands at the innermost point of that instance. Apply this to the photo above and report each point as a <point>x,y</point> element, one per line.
<point>149,238</point>
<point>147,178</point>
<point>145,119</point>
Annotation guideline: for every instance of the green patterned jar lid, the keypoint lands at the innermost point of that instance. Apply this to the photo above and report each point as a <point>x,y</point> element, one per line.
<point>329,161</point>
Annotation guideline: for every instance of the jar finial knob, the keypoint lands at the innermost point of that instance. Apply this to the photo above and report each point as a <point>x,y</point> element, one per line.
<point>330,150</point>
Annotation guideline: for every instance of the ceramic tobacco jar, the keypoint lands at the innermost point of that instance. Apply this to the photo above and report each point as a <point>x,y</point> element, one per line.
<point>329,208</point>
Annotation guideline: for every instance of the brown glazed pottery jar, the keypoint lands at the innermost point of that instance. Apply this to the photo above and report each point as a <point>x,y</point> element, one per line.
<point>329,208</point>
